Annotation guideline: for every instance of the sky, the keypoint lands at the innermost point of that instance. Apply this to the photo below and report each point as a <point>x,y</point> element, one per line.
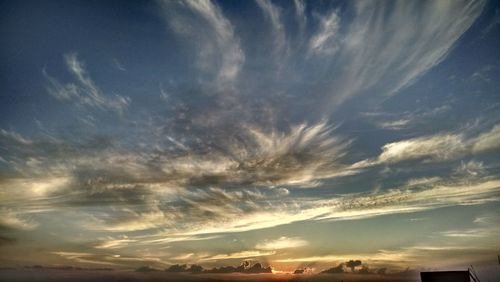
<point>293,133</point>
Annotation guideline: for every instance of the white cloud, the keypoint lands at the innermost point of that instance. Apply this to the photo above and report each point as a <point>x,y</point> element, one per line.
<point>16,137</point>
<point>469,233</point>
<point>423,181</point>
<point>395,124</point>
<point>230,219</point>
<point>150,219</point>
<point>218,48</point>
<point>115,243</point>
<point>273,13</point>
<point>238,255</point>
<point>33,192</point>
<point>388,45</point>
<point>86,258</point>
<point>15,220</point>
<point>405,120</point>
<point>118,65</point>
<point>471,168</point>
<point>84,91</point>
<point>282,243</point>
<point>487,220</point>
<point>438,147</point>
<point>163,197</point>
<point>487,141</point>
<point>325,41</point>
<point>487,226</point>
<point>300,8</point>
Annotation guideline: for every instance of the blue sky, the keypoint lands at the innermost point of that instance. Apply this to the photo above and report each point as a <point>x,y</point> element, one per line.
<point>295,133</point>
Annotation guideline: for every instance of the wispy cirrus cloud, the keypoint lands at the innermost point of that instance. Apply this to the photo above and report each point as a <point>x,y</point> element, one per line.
<point>273,14</point>
<point>487,141</point>
<point>16,220</point>
<point>282,243</point>
<point>217,47</point>
<point>405,120</point>
<point>426,39</point>
<point>83,91</point>
<point>106,259</point>
<point>115,243</point>
<point>325,40</point>
<point>238,255</point>
<point>485,226</point>
<point>418,256</point>
<point>237,140</point>
<point>60,174</point>
<point>302,155</point>
<point>300,9</point>
<point>87,258</point>
<point>179,200</point>
<point>335,55</point>
<point>229,216</point>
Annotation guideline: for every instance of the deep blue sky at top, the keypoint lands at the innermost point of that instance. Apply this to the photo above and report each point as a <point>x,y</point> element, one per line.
<point>132,34</point>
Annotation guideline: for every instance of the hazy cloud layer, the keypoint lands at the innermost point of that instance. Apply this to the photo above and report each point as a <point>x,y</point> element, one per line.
<point>221,128</point>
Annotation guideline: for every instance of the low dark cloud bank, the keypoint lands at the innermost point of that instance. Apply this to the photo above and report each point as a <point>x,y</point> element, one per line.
<point>244,267</point>
<point>352,264</point>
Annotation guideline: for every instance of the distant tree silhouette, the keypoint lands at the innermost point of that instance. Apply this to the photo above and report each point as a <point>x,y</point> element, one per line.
<point>338,269</point>
<point>145,269</point>
<point>194,268</point>
<point>222,269</point>
<point>177,268</point>
<point>257,268</point>
<point>243,268</point>
<point>352,264</point>
<point>298,271</point>
<point>244,265</point>
<point>364,270</point>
